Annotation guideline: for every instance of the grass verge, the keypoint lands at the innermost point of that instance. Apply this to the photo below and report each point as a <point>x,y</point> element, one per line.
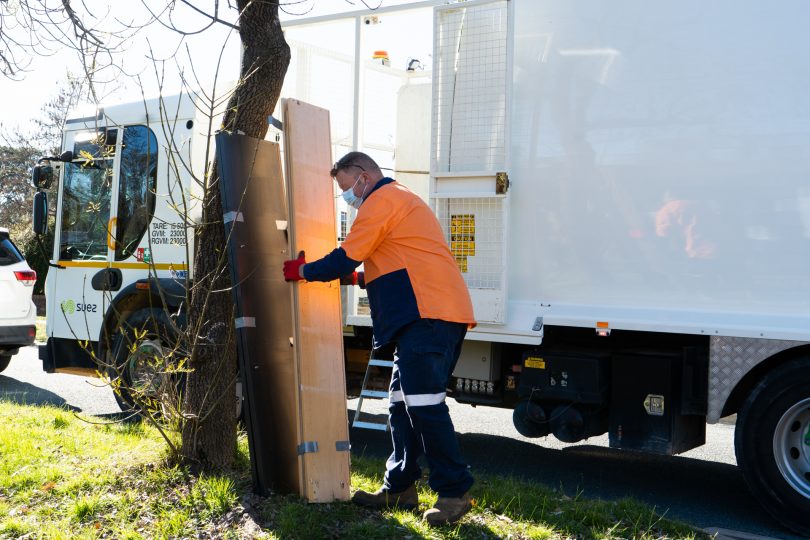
<point>62,477</point>
<point>41,336</point>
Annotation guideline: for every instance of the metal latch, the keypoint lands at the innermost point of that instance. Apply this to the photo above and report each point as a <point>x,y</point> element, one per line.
<point>501,183</point>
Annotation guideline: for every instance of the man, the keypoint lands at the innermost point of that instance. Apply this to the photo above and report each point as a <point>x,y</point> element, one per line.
<point>420,304</point>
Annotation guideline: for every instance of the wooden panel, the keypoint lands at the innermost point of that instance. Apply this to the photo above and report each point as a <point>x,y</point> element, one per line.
<point>252,187</point>
<point>316,306</point>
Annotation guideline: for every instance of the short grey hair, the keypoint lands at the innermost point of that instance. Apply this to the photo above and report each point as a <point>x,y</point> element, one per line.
<point>354,159</point>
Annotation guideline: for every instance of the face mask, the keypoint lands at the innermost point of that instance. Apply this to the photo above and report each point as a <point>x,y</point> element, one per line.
<point>351,199</point>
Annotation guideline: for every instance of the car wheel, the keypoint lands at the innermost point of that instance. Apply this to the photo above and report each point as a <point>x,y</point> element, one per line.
<point>772,443</point>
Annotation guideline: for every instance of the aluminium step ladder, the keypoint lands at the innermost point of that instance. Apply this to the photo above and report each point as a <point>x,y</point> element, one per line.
<point>381,360</point>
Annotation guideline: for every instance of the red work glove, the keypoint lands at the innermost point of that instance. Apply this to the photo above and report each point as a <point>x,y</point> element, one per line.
<point>292,268</point>
<point>355,278</point>
<point>349,279</point>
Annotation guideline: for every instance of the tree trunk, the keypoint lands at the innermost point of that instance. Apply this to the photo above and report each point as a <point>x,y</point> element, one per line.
<point>209,433</point>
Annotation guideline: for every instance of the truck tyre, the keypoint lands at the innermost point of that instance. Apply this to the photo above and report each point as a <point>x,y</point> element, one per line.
<point>142,362</point>
<point>529,419</point>
<point>4,361</point>
<point>772,443</point>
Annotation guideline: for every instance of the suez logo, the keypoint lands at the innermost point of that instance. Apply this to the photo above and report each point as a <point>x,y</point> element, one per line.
<point>69,307</point>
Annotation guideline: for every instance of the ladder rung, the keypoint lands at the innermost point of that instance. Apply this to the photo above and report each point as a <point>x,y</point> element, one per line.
<point>370,425</point>
<point>382,363</point>
<point>374,394</point>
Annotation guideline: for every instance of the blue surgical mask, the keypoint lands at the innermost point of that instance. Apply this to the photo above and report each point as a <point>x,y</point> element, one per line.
<point>351,199</point>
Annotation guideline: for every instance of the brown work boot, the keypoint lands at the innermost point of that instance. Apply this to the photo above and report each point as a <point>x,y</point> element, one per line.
<point>448,510</point>
<point>406,499</point>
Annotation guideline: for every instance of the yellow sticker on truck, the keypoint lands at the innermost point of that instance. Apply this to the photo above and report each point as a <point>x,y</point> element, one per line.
<point>462,238</point>
<point>464,248</point>
<point>535,362</point>
<point>461,262</point>
<point>462,225</point>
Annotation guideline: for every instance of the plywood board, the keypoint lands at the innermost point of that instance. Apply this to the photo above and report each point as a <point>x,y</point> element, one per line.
<point>255,209</point>
<point>316,310</point>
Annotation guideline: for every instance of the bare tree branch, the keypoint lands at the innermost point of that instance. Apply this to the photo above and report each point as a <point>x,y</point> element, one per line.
<point>215,18</point>
<point>82,33</point>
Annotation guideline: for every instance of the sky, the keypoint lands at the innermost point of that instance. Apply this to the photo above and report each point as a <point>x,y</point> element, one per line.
<point>23,99</point>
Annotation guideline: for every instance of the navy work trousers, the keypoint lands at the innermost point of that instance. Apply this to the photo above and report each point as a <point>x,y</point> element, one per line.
<point>426,354</point>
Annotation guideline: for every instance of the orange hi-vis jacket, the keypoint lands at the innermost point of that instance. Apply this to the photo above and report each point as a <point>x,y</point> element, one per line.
<point>410,272</point>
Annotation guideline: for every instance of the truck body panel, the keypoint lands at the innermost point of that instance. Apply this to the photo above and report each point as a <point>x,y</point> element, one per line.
<point>623,186</point>
<point>658,155</point>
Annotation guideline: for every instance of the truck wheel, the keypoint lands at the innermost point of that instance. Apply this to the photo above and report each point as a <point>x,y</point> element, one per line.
<point>529,419</point>
<point>772,443</point>
<point>143,363</point>
<point>4,361</point>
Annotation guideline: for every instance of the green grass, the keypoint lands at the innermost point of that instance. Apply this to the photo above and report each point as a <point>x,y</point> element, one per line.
<point>64,478</point>
<point>41,336</point>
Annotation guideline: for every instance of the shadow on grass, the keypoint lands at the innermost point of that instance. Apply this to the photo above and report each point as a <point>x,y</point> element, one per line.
<point>504,504</point>
<point>701,492</point>
<point>290,516</point>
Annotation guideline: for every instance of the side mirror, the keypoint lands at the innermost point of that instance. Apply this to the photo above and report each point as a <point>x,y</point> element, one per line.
<point>40,224</point>
<point>42,175</point>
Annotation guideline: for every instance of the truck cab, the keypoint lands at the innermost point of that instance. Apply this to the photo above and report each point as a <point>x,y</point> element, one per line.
<point>124,204</point>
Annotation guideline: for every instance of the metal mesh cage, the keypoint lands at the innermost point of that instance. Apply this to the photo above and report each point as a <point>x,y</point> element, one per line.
<point>473,228</point>
<point>470,88</point>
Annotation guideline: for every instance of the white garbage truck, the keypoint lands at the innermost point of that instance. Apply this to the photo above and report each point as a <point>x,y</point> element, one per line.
<point>625,187</point>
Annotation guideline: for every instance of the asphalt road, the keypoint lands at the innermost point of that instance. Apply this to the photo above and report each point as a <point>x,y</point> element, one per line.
<point>23,381</point>
<point>702,487</point>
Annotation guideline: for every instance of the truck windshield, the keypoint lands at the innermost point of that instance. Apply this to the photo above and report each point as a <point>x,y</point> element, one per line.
<point>86,197</point>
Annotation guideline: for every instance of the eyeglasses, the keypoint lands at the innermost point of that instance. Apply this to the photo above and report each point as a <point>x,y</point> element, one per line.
<point>338,166</point>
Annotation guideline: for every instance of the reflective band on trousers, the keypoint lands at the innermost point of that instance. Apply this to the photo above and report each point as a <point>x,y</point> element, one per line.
<point>417,400</point>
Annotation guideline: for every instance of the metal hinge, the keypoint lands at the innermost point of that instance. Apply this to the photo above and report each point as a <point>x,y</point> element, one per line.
<point>342,446</point>
<point>309,447</point>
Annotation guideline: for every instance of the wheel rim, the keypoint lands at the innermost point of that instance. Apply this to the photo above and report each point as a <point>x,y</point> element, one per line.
<point>145,376</point>
<point>791,447</point>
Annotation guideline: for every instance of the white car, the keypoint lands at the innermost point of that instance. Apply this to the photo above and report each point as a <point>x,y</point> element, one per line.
<point>18,314</point>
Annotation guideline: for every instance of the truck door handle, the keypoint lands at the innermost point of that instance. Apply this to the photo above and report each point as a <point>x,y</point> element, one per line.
<point>108,279</point>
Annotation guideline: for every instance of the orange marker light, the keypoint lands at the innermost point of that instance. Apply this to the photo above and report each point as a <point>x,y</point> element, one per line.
<point>602,328</point>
